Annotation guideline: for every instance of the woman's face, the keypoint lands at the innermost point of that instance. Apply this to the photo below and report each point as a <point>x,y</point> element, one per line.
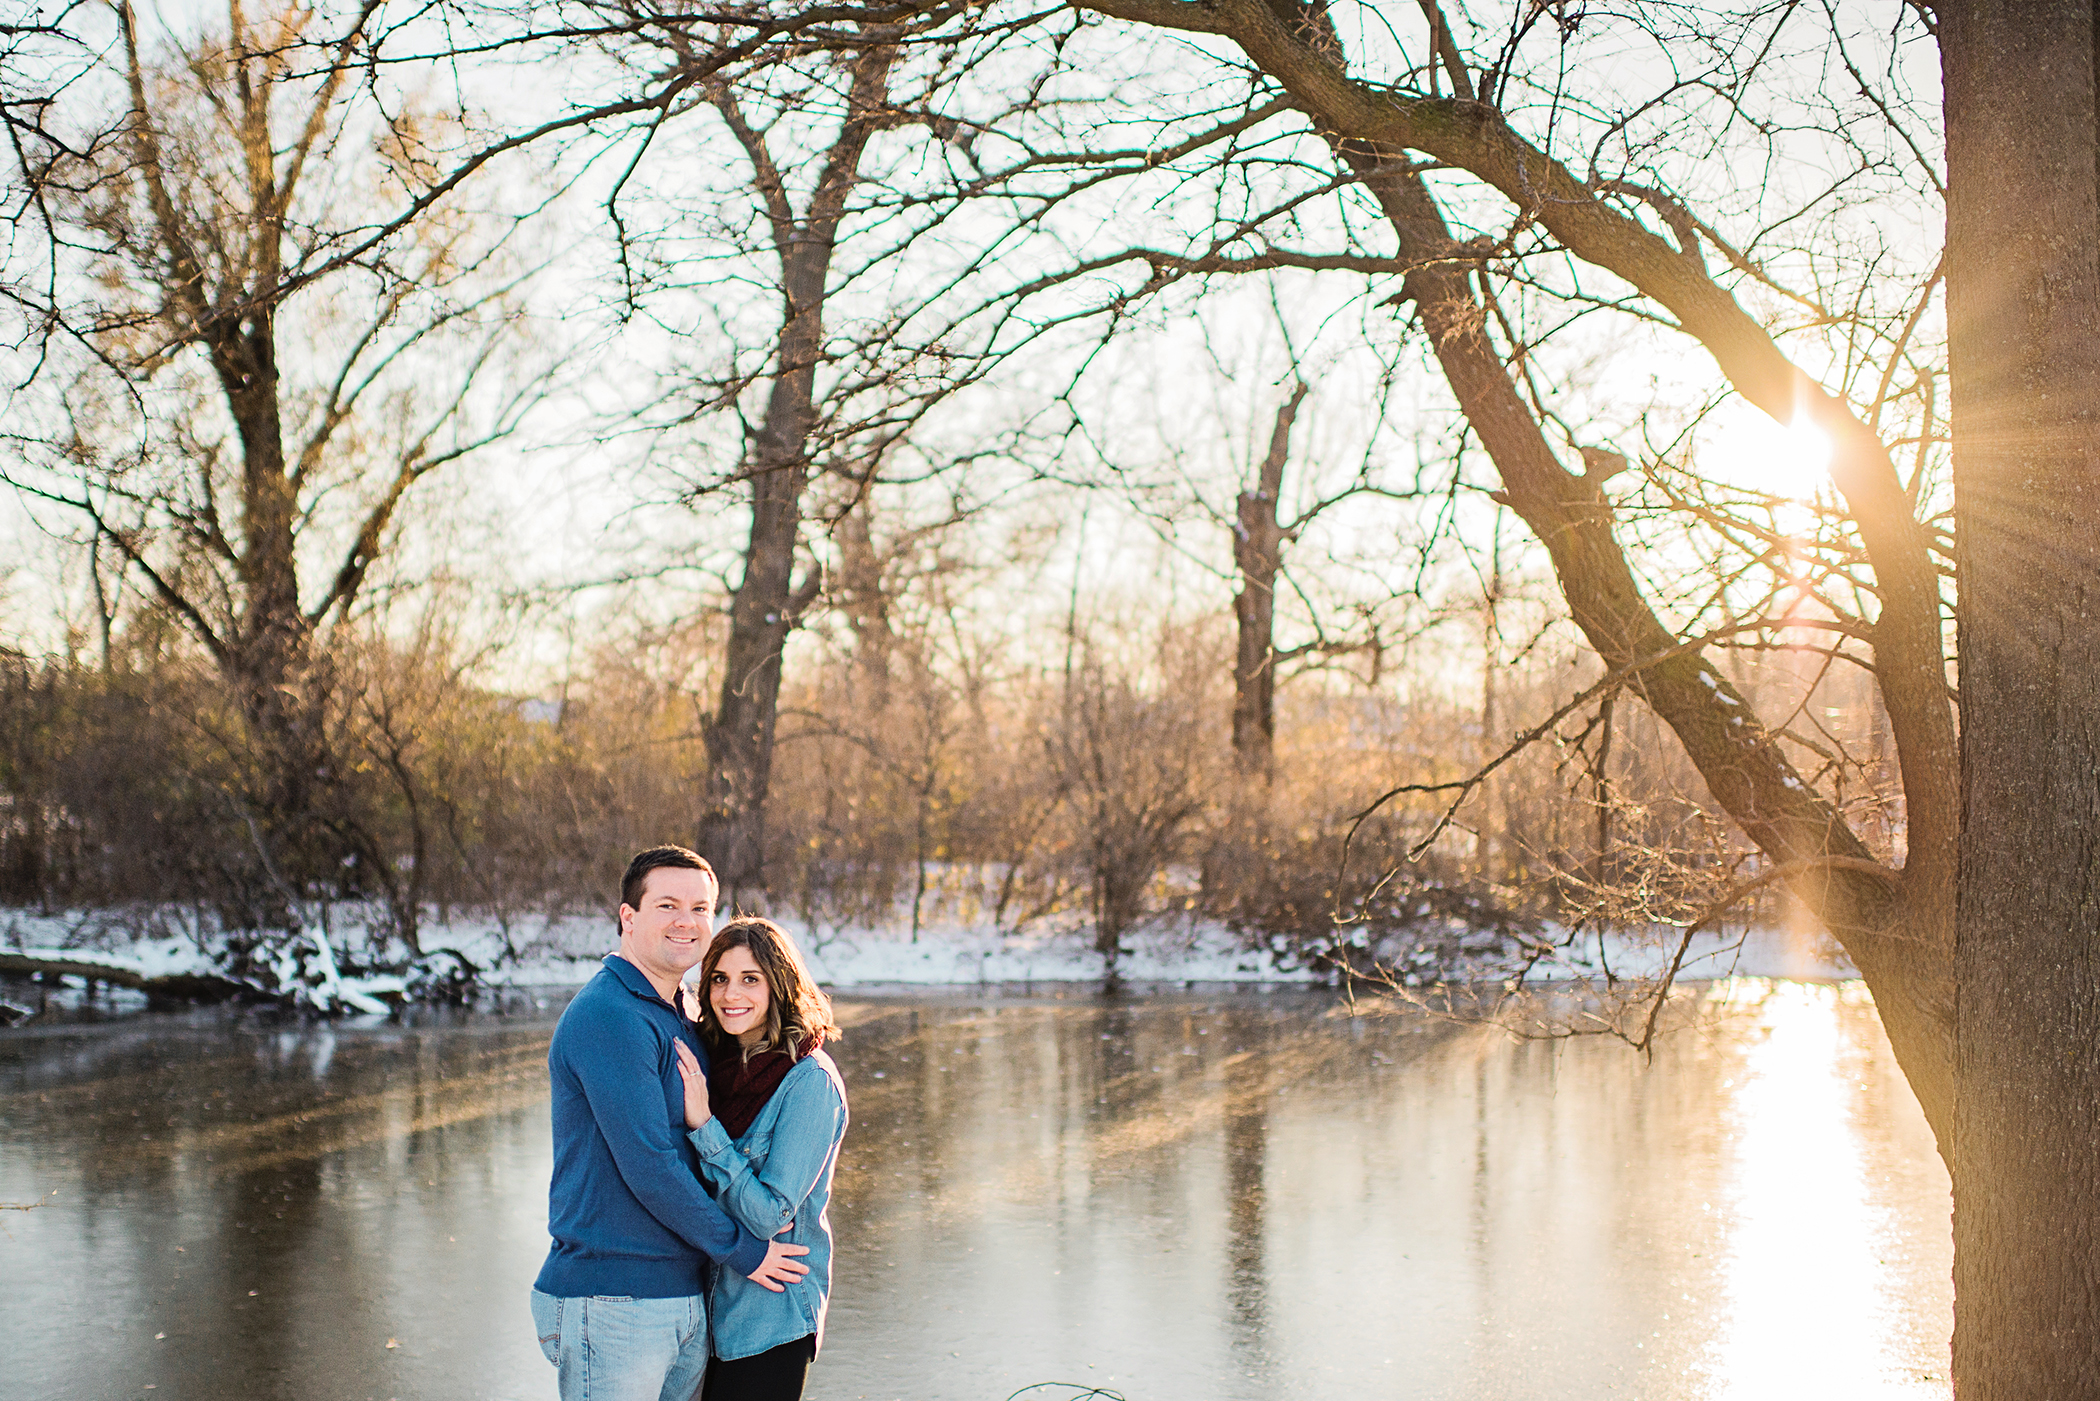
<point>739,996</point>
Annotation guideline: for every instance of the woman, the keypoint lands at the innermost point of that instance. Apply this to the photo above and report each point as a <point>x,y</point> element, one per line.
<point>768,1136</point>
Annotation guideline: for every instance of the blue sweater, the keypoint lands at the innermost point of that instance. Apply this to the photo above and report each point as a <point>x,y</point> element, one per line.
<point>625,1207</point>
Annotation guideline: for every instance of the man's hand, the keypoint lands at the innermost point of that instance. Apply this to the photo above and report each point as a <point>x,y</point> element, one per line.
<point>779,1266</point>
<point>696,1110</point>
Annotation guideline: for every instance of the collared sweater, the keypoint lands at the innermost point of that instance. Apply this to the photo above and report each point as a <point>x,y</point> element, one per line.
<point>625,1206</point>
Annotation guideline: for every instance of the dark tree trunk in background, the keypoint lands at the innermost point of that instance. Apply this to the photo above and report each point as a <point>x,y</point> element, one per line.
<point>740,736</point>
<point>778,463</point>
<point>1257,551</point>
<point>2023,283</point>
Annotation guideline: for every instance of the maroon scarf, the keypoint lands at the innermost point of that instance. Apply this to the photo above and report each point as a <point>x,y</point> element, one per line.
<point>737,1089</point>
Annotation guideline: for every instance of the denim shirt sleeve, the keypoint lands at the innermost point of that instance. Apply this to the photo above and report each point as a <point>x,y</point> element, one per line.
<point>622,1081</point>
<point>809,1123</point>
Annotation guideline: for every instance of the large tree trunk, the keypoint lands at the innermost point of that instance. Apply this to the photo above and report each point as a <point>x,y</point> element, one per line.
<point>1257,550</point>
<point>740,734</point>
<point>2023,265</point>
<point>268,657</point>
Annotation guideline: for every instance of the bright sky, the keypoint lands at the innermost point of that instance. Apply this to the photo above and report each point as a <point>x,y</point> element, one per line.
<point>1183,408</point>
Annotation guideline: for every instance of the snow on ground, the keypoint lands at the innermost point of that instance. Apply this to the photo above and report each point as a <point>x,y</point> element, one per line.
<point>565,950</point>
<point>1759,953</point>
<point>963,955</point>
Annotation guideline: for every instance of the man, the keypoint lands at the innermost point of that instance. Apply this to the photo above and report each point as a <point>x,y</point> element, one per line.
<point>620,1306</point>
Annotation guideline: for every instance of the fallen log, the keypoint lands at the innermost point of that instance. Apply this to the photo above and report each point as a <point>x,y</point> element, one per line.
<point>165,987</point>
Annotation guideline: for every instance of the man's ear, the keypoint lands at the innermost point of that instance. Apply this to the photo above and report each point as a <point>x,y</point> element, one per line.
<point>626,920</point>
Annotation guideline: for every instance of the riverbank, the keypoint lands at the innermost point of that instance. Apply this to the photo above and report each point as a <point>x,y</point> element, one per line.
<point>162,955</point>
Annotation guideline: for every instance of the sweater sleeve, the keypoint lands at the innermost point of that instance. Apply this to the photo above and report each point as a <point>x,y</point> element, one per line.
<point>811,1122</point>
<point>621,1078</point>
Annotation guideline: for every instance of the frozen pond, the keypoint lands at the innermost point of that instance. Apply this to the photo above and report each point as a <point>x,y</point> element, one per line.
<point>1179,1198</point>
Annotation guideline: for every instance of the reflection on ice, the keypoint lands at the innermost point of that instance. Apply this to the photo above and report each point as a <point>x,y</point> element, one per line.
<point>1814,1311</point>
<point>1250,1197</point>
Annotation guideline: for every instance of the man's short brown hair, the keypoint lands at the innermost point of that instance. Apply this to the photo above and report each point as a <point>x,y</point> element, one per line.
<point>658,858</point>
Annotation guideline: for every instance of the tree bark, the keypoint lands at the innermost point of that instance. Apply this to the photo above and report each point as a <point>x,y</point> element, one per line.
<point>1257,551</point>
<point>739,736</point>
<point>2023,286</point>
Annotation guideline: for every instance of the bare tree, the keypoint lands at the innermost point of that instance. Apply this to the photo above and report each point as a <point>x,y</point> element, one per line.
<point>778,465</point>
<point>834,400</point>
<point>1257,550</point>
<point>1130,761</point>
<point>2012,822</point>
<point>1370,134</point>
<point>243,433</point>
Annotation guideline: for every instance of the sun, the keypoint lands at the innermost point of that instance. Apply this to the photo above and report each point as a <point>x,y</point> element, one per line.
<point>1748,450</point>
<point>1800,464</point>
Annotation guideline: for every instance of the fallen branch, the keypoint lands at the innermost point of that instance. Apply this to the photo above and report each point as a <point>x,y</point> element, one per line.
<point>180,987</point>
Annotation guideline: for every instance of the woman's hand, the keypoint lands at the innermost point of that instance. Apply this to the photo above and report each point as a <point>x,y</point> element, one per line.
<point>696,1110</point>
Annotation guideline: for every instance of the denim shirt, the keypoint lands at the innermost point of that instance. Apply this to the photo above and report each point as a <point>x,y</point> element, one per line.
<point>778,1172</point>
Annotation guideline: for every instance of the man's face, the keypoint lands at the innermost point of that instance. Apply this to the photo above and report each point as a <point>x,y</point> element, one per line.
<point>670,931</point>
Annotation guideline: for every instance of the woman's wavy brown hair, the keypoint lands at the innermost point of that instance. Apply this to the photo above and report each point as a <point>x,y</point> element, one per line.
<point>797,1011</point>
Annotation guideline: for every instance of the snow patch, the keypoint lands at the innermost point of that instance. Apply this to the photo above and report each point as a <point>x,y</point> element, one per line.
<point>566,950</point>
<point>1753,953</point>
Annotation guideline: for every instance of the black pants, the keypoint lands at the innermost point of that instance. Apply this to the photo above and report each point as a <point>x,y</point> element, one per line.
<point>776,1374</point>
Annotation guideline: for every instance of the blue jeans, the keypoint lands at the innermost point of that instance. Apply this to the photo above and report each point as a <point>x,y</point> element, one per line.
<point>617,1349</point>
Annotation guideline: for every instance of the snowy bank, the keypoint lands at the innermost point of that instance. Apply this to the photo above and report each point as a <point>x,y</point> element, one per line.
<point>346,970</point>
<point>565,950</point>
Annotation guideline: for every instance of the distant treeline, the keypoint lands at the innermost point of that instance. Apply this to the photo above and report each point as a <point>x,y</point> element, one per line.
<point>1096,792</point>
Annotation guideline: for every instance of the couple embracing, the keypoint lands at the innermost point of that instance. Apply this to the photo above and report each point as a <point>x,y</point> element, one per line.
<point>695,1136</point>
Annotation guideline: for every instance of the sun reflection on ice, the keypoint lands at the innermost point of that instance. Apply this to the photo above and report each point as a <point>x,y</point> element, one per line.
<point>1812,1309</point>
